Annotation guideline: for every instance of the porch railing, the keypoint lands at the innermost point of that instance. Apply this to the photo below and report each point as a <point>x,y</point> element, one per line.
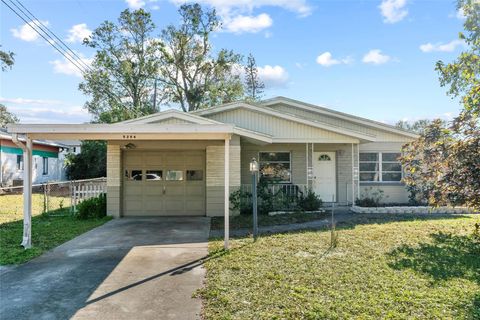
<point>285,188</point>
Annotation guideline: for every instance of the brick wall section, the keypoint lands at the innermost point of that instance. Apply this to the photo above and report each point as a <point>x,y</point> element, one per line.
<point>114,180</point>
<point>215,156</point>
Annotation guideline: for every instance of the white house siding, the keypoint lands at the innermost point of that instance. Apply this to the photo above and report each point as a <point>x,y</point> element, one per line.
<point>171,120</point>
<point>216,175</point>
<point>277,127</point>
<point>393,192</point>
<point>381,135</point>
<point>9,169</point>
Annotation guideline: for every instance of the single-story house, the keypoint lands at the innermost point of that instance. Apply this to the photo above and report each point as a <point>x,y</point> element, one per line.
<point>175,163</point>
<point>48,164</point>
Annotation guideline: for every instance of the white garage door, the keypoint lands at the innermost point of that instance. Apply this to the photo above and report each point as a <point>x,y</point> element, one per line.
<point>164,183</point>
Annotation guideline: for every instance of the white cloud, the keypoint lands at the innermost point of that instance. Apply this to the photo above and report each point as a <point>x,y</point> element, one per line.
<point>252,24</point>
<point>442,47</point>
<point>326,59</point>
<point>64,66</point>
<point>237,15</point>
<point>78,32</point>
<point>46,111</point>
<point>225,7</point>
<point>135,4</point>
<point>26,31</point>
<point>393,10</point>
<point>375,56</point>
<point>273,76</point>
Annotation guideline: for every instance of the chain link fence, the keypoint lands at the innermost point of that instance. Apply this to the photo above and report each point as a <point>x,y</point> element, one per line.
<point>59,197</point>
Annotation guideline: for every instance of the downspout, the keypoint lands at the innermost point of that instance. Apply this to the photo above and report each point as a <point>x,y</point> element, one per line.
<point>27,188</point>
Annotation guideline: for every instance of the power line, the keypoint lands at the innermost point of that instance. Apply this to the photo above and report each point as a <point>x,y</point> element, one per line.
<point>49,40</point>
<point>40,24</point>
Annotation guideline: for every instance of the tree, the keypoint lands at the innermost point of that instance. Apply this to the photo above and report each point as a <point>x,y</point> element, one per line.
<point>253,85</point>
<point>416,126</point>
<point>120,79</point>
<point>6,117</point>
<point>443,165</point>
<point>6,59</point>
<point>91,162</point>
<point>190,74</point>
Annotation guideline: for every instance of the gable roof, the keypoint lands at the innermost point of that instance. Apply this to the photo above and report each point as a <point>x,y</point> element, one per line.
<point>338,114</point>
<point>194,119</point>
<point>285,116</point>
<point>169,114</point>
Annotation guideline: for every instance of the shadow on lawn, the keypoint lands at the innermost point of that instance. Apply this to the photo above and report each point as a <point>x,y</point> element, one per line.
<point>448,256</point>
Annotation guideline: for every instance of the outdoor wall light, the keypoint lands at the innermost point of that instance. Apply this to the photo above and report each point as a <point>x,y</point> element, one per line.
<point>253,165</point>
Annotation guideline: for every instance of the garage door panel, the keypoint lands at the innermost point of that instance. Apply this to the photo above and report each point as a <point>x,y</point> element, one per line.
<point>177,195</point>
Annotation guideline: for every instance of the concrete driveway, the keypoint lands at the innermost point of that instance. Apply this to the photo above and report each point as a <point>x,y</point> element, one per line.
<point>131,268</point>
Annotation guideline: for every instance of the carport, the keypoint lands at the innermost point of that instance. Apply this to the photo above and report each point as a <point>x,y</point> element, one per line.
<point>126,133</point>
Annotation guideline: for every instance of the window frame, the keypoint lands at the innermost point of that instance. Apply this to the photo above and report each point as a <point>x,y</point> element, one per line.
<point>45,166</point>
<point>289,162</point>
<point>380,170</point>
<point>20,164</point>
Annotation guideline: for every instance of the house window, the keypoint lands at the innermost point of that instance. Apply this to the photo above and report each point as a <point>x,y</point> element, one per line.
<point>19,162</point>
<point>44,166</point>
<point>380,167</point>
<point>275,166</point>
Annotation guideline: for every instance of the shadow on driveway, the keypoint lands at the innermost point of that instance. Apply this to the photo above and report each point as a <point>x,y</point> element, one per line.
<point>143,268</point>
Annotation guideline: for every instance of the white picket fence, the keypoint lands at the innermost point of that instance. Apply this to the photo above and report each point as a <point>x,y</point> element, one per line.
<point>86,189</point>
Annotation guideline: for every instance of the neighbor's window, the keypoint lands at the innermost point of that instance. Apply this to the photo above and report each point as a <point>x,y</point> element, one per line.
<point>19,162</point>
<point>45,165</point>
<point>380,167</point>
<point>275,166</point>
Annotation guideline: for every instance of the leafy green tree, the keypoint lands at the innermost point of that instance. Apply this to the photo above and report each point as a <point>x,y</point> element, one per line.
<point>91,162</point>
<point>253,84</point>
<point>6,117</point>
<point>443,165</point>
<point>6,59</point>
<point>120,80</point>
<point>416,126</point>
<point>190,73</point>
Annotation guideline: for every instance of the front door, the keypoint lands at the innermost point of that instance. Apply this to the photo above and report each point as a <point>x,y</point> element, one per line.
<point>324,173</point>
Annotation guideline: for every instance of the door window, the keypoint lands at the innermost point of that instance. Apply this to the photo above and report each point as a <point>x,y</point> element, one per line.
<point>194,175</point>
<point>174,175</point>
<point>153,175</point>
<point>133,175</point>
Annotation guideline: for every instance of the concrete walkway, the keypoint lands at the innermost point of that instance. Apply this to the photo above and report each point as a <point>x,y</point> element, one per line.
<point>131,268</point>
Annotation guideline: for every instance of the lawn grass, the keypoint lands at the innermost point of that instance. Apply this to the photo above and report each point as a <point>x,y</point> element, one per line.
<point>246,221</point>
<point>48,230</point>
<point>421,267</point>
<point>11,205</point>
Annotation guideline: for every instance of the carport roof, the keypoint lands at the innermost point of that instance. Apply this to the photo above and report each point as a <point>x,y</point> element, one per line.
<point>135,131</point>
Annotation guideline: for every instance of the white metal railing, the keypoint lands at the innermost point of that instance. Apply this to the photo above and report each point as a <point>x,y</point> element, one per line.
<point>287,188</point>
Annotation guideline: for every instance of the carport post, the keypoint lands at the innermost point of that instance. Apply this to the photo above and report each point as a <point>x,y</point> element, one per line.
<point>27,189</point>
<point>227,191</point>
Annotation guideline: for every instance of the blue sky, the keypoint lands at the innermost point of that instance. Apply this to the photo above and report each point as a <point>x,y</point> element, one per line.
<point>372,58</point>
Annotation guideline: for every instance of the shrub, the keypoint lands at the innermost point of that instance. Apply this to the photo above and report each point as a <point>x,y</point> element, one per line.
<point>370,198</point>
<point>241,201</point>
<point>309,202</point>
<point>93,208</point>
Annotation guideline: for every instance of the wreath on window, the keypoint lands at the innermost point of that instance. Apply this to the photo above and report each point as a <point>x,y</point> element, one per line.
<point>324,157</point>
